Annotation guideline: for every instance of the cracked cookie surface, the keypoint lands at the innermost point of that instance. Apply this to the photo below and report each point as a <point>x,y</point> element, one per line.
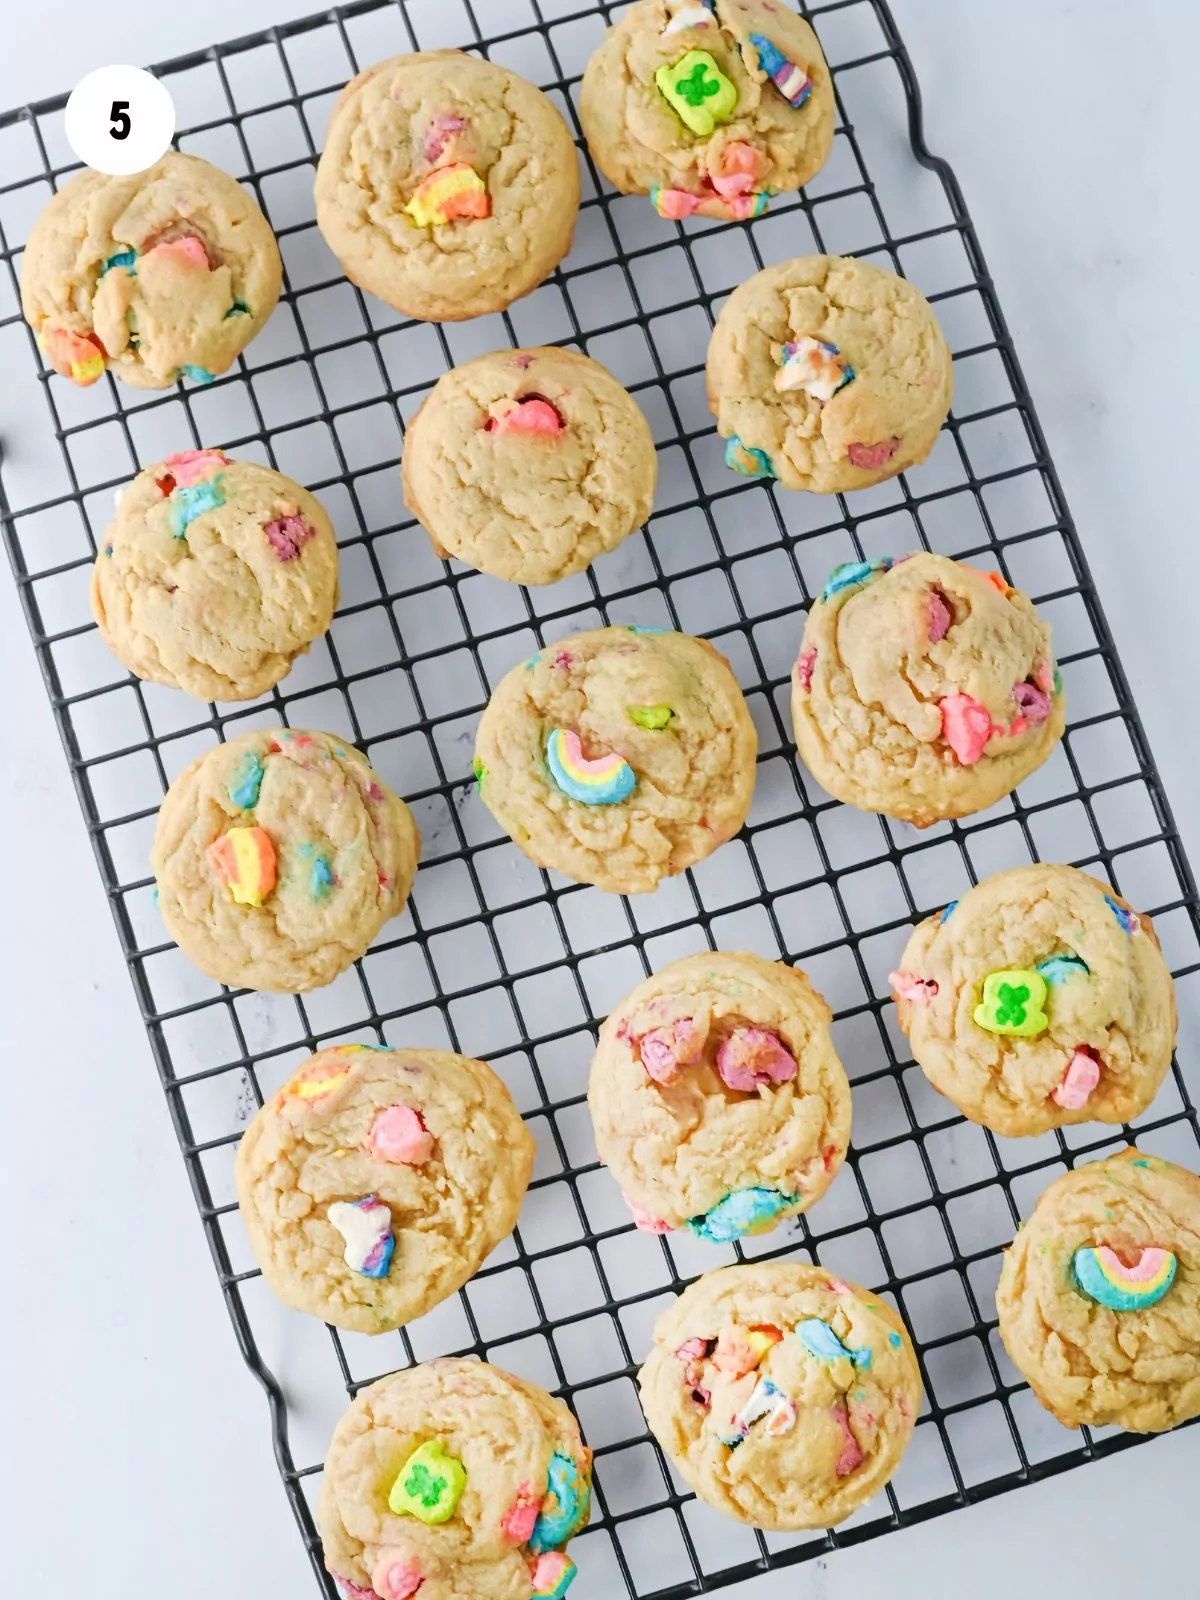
<point>528,464</point>
<point>717,1097</point>
<point>165,273</point>
<point>1136,1368</point>
<point>1109,1002</point>
<point>433,1136</point>
<point>323,854</point>
<point>497,175</point>
<point>764,144</point>
<point>214,575</point>
<point>656,741</point>
<point>784,1396</point>
<point>923,688</point>
<point>846,432</point>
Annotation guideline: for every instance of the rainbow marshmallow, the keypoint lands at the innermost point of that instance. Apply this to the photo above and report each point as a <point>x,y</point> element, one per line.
<point>553,1576</point>
<point>817,367</point>
<point>366,1226</point>
<point>317,1078</point>
<point>191,467</point>
<point>606,781</point>
<point>245,858</point>
<point>78,356</point>
<point>448,194</point>
<point>1103,1277</point>
<point>748,459</point>
<point>792,81</point>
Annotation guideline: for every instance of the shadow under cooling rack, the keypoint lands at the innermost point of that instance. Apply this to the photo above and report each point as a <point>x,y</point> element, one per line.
<point>496,958</point>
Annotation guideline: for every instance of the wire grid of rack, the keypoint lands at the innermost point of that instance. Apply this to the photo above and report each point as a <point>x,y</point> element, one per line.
<point>498,959</point>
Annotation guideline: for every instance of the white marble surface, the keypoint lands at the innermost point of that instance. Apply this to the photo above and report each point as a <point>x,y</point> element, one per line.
<point>140,1443</point>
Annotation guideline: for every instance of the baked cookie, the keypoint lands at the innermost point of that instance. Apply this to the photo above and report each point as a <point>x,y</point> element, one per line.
<point>718,1100</point>
<point>618,757</point>
<point>828,374</point>
<point>529,464</point>
<point>448,186</point>
<point>1037,1000</point>
<point>1099,1298</point>
<point>458,1480</point>
<point>924,689</point>
<point>376,1182</point>
<point>214,575</point>
<point>160,275</point>
<point>278,858</point>
<point>710,108</point>
<point>784,1397</point>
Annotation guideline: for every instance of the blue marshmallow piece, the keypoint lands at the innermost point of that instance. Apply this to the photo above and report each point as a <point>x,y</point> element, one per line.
<point>555,1527</point>
<point>744,1211</point>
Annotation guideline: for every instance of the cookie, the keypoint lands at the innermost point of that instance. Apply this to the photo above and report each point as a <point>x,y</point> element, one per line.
<point>924,689</point>
<point>214,575</point>
<point>448,186</point>
<point>529,464</point>
<point>278,858</point>
<point>1037,1000</point>
<point>718,1100</point>
<point>828,374</point>
<point>376,1182</point>
<point>708,108</point>
<point>784,1397</point>
<point>1099,1297</point>
<point>161,275</point>
<point>618,757</point>
<point>455,1479</point>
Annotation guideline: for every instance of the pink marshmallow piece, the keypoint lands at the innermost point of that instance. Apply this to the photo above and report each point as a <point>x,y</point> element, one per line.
<point>940,617</point>
<point>398,1135</point>
<point>692,1350</point>
<point>851,1454</point>
<point>193,466</point>
<point>439,134</point>
<point>1081,1077</point>
<point>287,536</point>
<point>734,1356</point>
<point>805,662</point>
<point>736,183</point>
<point>966,727</point>
<point>664,1051</point>
<point>548,1573</point>
<point>354,1591</point>
<point>535,415</point>
<point>676,204</point>
<point>908,986</point>
<point>752,1057</point>
<point>1034,703</point>
<point>873,455</point>
<point>657,1050</point>
<point>395,1578</point>
<point>643,1221</point>
<point>189,249</point>
<point>742,206</point>
<point>518,1524</point>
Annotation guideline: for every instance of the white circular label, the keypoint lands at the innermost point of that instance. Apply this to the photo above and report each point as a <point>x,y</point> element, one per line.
<point>119,120</point>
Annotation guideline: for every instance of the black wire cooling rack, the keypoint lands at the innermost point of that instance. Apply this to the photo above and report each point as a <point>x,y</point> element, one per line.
<point>496,958</point>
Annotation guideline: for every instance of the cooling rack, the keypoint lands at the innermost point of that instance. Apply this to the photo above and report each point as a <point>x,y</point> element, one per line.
<point>498,959</point>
